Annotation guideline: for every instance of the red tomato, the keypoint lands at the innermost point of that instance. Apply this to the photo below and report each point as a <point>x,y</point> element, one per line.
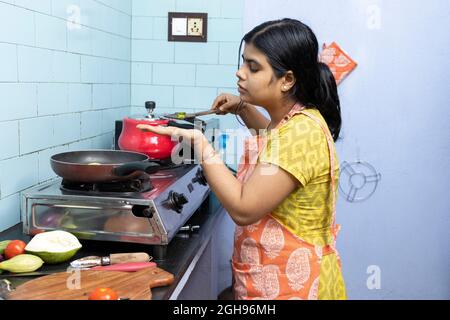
<point>14,248</point>
<point>103,294</point>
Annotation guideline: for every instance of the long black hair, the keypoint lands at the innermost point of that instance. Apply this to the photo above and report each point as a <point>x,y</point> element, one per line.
<point>291,45</point>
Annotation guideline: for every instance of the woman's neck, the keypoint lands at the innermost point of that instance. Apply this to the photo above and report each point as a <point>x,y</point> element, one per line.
<point>278,112</point>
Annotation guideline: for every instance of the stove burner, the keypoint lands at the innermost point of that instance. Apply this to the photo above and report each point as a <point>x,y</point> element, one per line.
<point>118,188</point>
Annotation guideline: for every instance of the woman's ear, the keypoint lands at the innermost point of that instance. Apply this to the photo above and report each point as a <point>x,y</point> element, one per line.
<point>288,81</point>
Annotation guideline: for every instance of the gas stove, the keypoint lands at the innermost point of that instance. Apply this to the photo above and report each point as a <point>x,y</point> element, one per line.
<point>149,210</point>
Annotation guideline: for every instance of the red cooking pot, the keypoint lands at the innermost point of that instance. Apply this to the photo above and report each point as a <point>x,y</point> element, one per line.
<point>155,146</point>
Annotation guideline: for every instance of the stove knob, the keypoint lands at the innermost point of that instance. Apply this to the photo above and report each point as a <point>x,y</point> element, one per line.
<point>200,178</point>
<point>143,211</point>
<point>148,213</point>
<point>176,201</point>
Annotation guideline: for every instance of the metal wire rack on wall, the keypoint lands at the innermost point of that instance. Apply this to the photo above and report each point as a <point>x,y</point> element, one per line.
<point>358,180</point>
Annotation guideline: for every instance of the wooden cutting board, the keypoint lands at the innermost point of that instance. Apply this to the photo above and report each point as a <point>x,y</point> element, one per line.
<point>78,285</point>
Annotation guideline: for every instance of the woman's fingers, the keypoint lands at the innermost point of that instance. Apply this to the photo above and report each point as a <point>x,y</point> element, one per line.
<point>168,131</point>
<point>218,102</point>
<point>228,107</point>
<point>194,137</point>
<point>221,104</point>
<point>173,132</point>
<point>225,103</point>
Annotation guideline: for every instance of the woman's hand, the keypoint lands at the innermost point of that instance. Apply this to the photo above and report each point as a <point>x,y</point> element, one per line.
<point>193,137</point>
<point>228,103</point>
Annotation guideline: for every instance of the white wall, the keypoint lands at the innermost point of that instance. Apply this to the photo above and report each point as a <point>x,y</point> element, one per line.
<point>395,110</point>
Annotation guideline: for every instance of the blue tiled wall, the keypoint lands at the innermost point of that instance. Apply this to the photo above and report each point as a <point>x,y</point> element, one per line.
<point>186,76</point>
<point>65,69</point>
<point>183,76</point>
<point>69,68</point>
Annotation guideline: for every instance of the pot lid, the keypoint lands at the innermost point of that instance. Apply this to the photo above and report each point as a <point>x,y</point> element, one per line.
<point>141,117</point>
<point>150,116</point>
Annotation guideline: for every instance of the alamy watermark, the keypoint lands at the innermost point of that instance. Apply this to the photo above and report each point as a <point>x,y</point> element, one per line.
<point>374,280</point>
<point>374,17</point>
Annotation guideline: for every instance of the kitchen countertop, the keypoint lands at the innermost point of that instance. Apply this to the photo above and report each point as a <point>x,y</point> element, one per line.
<point>182,252</point>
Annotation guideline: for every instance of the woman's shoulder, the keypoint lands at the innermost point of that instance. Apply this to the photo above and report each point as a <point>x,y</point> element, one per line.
<point>303,126</point>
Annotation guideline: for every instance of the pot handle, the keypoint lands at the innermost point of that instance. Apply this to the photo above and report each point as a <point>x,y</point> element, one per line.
<point>129,168</point>
<point>180,125</point>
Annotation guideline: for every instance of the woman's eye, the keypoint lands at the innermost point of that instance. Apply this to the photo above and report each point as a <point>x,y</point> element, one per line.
<point>253,69</point>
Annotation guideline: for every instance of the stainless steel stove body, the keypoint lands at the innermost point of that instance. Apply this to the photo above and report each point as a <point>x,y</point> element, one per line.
<point>152,217</point>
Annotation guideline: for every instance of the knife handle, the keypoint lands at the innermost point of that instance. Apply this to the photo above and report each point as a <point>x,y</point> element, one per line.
<point>116,258</point>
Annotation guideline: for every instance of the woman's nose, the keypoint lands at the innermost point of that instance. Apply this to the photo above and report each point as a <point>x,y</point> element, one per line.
<point>240,74</point>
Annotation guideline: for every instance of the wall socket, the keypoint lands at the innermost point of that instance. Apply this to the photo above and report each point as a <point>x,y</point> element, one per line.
<point>188,27</point>
<point>195,27</point>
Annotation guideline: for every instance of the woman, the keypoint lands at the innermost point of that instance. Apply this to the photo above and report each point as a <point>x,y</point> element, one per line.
<point>283,199</point>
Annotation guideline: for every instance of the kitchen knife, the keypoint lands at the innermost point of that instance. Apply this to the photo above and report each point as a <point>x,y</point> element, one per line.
<point>125,267</point>
<point>5,289</point>
<point>93,261</point>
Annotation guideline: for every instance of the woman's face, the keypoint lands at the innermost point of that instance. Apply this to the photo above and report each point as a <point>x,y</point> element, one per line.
<point>257,82</point>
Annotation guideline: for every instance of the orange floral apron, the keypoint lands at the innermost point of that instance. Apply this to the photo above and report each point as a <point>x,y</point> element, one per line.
<point>269,261</point>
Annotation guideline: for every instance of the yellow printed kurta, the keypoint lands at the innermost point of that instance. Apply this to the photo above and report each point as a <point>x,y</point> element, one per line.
<point>283,256</point>
<point>300,148</point>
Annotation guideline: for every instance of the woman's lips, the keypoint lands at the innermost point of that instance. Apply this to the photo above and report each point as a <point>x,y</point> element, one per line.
<point>241,90</point>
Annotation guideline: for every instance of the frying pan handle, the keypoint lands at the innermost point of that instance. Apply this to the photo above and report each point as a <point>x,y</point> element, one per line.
<point>129,168</point>
<point>180,125</point>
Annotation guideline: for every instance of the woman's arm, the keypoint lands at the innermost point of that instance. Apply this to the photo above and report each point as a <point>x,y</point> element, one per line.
<point>248,202</point>
<point>253,119</point>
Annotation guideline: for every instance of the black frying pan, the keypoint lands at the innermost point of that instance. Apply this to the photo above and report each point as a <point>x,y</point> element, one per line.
<point>101,166</point>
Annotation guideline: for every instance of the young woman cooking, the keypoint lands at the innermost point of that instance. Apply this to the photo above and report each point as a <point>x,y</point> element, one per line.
<point>284,197</point>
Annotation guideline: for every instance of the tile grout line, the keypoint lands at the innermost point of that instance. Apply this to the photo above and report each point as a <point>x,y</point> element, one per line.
<point>17,60</point>
<point>62,51</point>
<point>60,18</point>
